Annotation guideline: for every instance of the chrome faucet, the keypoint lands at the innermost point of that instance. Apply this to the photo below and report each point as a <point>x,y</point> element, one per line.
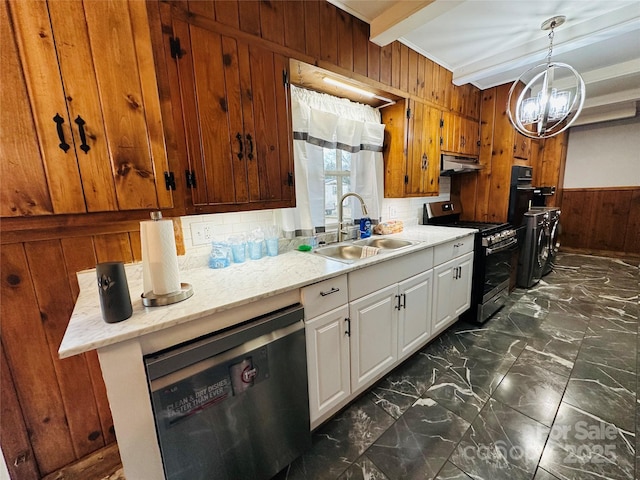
<point>341,231</point>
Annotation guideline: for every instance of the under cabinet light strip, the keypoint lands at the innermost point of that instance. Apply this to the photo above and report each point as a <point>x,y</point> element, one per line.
<point>351,88</point>
<point>358,90</point>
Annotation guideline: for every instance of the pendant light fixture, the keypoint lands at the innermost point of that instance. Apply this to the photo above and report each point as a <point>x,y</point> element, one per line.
<point>552,100</point>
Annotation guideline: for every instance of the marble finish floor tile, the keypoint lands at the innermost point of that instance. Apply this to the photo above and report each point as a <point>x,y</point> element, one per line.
<point>551,354</point>
<point>516,324</point>
<point>607,392</point>
<point>419,443</point>
<point>363,469</point>
<point>465,389</point>
<point>542,474</point>
<point>584,447</point>
<point>451,472</point>
<point>501,444</point>
<point>338,443</point>
<point>401,388</point>
<point>532,390</point>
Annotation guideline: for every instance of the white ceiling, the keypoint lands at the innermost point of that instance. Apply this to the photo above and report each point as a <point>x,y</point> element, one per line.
<point>492,42</point>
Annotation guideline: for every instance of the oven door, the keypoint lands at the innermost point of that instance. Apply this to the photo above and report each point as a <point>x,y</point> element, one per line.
<point>497,268</point>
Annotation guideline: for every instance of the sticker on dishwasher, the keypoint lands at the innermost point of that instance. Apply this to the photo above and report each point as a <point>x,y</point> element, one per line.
<point>191,396</point>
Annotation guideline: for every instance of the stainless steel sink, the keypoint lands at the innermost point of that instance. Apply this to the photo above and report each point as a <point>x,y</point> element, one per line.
<point>350,252</point>
<point>343,252</point>
<point>383,243</point>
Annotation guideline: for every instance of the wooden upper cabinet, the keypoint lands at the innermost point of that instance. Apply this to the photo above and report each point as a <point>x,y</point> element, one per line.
<point>90,85</point>
<point>412,149</point>
<point>460,135</point>
<point>236,109</point>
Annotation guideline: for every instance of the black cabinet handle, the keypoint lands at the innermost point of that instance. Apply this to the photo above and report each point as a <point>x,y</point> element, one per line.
<point>329,292</point>
<point>348,330</point>
<point>240,154</point>
<point>250,140</point>
<point>398,304</point>
<point>64,146</point>
<point>404,301</point>
<point>83,137</point>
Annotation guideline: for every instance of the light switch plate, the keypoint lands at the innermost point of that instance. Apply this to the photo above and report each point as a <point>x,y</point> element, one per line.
<point>201,233</point>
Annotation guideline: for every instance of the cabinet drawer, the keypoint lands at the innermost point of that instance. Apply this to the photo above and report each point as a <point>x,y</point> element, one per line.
<point>454,248</point>
<point>324,296</point>
<point>366,280</point>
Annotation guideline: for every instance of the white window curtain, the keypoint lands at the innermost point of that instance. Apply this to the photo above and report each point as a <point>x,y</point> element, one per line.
<point>324,121</point>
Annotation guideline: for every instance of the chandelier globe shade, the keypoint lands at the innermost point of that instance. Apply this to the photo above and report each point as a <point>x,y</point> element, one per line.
<point>550,101</point>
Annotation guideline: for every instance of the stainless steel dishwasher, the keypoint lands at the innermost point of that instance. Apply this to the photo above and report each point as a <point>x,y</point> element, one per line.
<point>234,405</point>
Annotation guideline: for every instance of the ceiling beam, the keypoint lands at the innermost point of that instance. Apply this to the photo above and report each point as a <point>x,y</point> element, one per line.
<point>403,17</point>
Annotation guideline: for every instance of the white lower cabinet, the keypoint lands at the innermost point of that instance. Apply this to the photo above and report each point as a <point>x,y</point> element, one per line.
<point>414,316</point>
<point>451,291</point>
<point>361,325</point>
<point>328,362</point>
<point>374,334</point>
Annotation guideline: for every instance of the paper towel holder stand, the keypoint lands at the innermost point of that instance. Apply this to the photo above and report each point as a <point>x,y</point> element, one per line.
<point>150,299</point>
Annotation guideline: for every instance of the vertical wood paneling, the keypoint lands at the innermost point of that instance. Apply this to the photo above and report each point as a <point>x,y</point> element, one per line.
<point>396,63</point>
<point>206,9</point>
<point>373,59</point>
<point>413,72</point>
<point>285,147</point>
<point>421,79</point>
<point>501,160</point>
<point>328,33</point>
<point>79,254</point>
<point>16,447</point>
<point>360,46</point>
<point>612,208</point>
<point>249,13</point>
<point>18,141</point>
<point>113,247</point>
<point>55,301</point>
<point>272,20</point>
<point>32,367</point>
<point>404,68</point>
<point>386,64</point>
<point>632,238</point>
<point>226,12</point>
<point>294,28</point>
<point>312,27</point>
<point>601,220</point>
<point>345,40</point>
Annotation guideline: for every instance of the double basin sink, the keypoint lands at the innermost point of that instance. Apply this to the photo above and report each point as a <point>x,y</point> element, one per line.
<point>355,250</point>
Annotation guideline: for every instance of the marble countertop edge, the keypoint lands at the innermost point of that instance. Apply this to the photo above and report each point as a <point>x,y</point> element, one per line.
<point>220,290</point>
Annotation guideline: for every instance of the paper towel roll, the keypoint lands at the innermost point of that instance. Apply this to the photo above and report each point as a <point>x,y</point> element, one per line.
<point>160,272</point>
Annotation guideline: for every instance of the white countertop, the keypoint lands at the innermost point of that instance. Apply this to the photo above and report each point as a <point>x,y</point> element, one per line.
<point>216,290</point>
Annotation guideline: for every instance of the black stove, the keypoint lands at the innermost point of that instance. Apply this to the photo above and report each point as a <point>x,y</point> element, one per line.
<point>494,246</point>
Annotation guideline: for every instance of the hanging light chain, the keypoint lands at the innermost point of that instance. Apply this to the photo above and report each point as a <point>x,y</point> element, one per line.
<point>551,34</point>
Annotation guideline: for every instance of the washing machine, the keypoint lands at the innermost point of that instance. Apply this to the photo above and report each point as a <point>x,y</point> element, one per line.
<point>534,254</point>
<point>554,231</point>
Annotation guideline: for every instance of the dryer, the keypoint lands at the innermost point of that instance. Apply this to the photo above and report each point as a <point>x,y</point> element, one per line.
<point>534,253</point>
<point>554,230</point>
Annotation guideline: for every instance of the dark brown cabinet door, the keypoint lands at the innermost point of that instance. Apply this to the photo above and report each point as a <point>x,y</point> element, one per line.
<point>89,75</point>
<point>235,105</point>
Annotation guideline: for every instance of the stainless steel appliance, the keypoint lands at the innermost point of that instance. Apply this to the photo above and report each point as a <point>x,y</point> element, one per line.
<point>534,255</point>
<point>494,247</point>
<point>233,405</point>
<point>554,231</point>
<point>521,193</point>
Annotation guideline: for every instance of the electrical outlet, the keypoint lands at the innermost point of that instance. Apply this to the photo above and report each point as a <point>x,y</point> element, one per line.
<point>393,213</point>
<point>201,233</point>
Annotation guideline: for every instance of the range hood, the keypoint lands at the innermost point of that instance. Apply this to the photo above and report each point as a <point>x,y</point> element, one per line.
<point>454,164</point>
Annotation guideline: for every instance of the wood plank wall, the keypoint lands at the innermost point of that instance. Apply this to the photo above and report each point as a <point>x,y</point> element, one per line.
<point>602,221</point>
<point>56,411</point>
